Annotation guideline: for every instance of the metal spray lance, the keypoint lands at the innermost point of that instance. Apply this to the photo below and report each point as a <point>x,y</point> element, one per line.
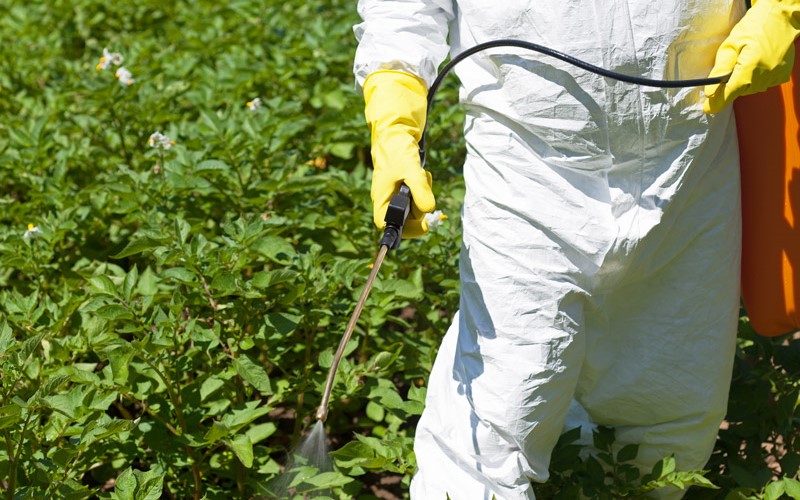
<point>396,214</point>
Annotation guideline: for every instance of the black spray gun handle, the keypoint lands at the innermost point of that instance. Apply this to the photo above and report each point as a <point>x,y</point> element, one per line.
<point>396,215</point>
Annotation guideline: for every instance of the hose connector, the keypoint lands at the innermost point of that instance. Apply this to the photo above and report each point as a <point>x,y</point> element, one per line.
<point>396,215</point>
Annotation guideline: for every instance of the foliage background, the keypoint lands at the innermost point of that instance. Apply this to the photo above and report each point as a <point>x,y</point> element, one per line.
<point>167,333</point>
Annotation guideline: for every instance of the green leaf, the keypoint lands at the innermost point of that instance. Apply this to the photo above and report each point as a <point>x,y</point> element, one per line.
<point>325,359</point>
<point>275,248</point>
<point>240,417</point>
<point>570,436</point>
<point>388,398</point>
<point>216,432</point>
<point>104,284</point>
<point>253,373</point>
<point>603,438</point>
<point>595,470</point>
<point>52,385</point>
<point>6,338</point>
<point>418,394</point>
<point>113,312</point>
<point>180,274</point>
<point>24,304</point>
<point>283,323</point>
<point>119,358</point>
<point>243,448</point>
<point>224,282</point>
<point>129,282</point>
<point>382,360</point>
<point>605,457</point>
<point>266,279</point>
<point>9,415</point>
<point>358,454</point>
<point>125,486</point>
<point>343,150</point>
<point>30,345</point>
<point>774,490</point>
<point>137,485</point>
<point>381,447</point>
<point>138,246</point>
<point>334,99</point>
<point>182,229</point>
<point>246,344</point>
<point>301,474</point>
<point>260,432</point>
<point>148,283</point>
<point>627,453</point>
<point>112,428</point>
<point>207,165</point>
<point>63,456</point>
<point>209,386</point>
<point>406,289</point>
<point>792,487</point>
<point>327,480</point>
<point>667,466</point>
<point>697,479</point>
<point>20,136</point>
<point>213,120</point>
<point>375,411</point>
<point>150,484</point>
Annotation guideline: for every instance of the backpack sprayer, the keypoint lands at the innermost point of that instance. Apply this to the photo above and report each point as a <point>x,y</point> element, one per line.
<point>400,203</point>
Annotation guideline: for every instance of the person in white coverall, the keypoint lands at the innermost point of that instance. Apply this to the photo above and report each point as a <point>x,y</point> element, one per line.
<point>601,224</point>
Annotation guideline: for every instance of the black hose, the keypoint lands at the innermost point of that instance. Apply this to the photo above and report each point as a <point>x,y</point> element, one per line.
<point>647,82</point>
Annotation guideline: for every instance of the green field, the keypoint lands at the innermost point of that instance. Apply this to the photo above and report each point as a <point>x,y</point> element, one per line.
<point>169,305</point>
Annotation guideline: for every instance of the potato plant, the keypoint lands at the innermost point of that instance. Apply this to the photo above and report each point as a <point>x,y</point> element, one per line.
<point>185,229</point>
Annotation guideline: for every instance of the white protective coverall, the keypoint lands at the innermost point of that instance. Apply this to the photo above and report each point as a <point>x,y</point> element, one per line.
<point>601,234</point>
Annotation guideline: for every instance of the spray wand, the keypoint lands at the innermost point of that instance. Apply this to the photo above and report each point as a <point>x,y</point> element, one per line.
<point>396,214</point>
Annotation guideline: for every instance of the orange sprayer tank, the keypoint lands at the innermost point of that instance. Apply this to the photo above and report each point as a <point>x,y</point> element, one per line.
<point>768,125</point>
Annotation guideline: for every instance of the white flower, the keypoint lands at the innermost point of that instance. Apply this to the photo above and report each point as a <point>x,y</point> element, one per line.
<point>254,104</point>
<point>160,141</point>
<point>32,232</point>
<point>125,77</point>
<point>435,219</point>
<point>109,58</point>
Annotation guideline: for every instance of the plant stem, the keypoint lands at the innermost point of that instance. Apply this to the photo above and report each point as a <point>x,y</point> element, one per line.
<point>11,457</point>
<point>153,414</point>
<point>177,403</point>
<point>64,477</point>
<point>14,458</point>
<point>208,290</point>
<point>121,134</point>
<point>297,419</point>
<point>173,397</point>
<point>198,485</point>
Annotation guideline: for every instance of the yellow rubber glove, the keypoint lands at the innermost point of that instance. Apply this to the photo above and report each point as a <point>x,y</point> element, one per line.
<point>396,104</point>
<point>758,53</point>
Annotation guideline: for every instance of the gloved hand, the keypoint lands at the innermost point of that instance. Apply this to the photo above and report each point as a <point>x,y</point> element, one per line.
<point>396,104</point>
<point>759,52</point>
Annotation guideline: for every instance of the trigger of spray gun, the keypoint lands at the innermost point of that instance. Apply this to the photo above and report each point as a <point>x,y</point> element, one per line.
<point>396,215</point>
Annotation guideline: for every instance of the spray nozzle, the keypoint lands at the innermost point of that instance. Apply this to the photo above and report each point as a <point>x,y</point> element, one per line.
<point>396,215</point>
